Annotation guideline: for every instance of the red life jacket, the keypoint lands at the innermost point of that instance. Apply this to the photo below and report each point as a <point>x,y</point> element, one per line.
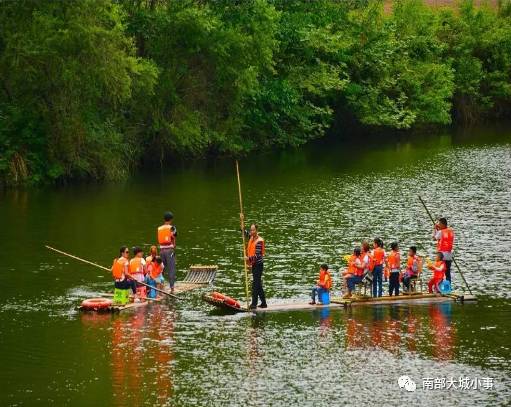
<point>446,241</point>
<point>439,270</point>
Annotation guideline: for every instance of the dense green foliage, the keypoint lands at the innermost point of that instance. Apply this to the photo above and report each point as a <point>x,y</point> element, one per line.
<point>90,89</point>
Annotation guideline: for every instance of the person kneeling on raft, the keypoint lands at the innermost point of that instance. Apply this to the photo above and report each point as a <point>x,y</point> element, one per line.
<point>438,269</point>
<point>323,284</point>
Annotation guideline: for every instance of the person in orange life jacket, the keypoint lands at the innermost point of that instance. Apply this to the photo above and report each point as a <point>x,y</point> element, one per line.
<point>255,258</point>
<point>378,258</point>
<point>153,252</point>
<point>120,272</point>
<point>412,268</point>
<point>154,275</point>
<point>438,269</point>
<point>324,283</point>
<point>355,271</point>
<point>394,264</point>
<point>445,242</point>
<point>138,265</point>
<point>167,240</point>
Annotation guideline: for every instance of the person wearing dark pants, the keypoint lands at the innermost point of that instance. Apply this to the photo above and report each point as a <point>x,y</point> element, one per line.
<point>394,264</point>
<point>378,259</point>
<point>167,240</point>
<point>255,258</point>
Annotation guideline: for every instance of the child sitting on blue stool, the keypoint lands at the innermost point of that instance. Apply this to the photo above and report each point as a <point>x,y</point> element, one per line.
<point>323,286</point>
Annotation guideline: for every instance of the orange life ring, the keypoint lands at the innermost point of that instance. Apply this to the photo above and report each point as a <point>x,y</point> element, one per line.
<point>218,296</point>
<point>232,302</point>
<point>225,299</point>
<point>96,303</point>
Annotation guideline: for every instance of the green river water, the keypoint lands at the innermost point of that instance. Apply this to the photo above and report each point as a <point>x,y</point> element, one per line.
<point>312,206</point>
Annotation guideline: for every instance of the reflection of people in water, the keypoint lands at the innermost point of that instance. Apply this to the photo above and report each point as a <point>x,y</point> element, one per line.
<point>395,328</point>
<point>141,355</point>
<point>442,330</point>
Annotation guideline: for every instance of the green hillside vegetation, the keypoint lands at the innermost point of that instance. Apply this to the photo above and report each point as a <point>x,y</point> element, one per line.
<point>93,89</point>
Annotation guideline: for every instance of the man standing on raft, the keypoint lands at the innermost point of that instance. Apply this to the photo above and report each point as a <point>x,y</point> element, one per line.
<point>445,241</point>
<point>167,240</point>
<point>255,258</point>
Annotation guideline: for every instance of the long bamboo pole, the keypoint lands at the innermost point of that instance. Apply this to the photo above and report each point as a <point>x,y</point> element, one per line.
<point>107,269</point>
<point>242,223</point>
<point>453,259</point>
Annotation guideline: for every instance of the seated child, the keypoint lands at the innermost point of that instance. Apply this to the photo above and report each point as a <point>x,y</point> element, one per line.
<point>324,283</point>
<point>137,265</point>
<point>355,272</point>
<point>154,275</point>
<point>438,269</point>
<point>412,268</point>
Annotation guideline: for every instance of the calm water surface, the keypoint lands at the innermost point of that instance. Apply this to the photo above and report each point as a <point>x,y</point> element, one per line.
<point>312,205</point>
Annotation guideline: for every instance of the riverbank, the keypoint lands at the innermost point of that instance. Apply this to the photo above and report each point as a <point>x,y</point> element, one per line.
<point>97,91</point>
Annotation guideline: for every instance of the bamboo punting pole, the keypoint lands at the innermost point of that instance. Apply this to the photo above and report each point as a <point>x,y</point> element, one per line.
<point>242,223</point>
<point>107,269</point>
<point>453,259</point>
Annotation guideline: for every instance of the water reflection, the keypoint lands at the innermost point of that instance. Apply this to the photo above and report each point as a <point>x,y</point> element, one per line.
<point>396,329</point>
<point>142,353</point>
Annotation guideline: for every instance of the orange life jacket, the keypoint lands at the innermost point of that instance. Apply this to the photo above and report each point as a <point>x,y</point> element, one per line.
<point>352,269</point>
<point>355,265</point>
<point>154,270</point>
<point>378,256</point>
<point>394,260</point>
<point>325,280</point>
<point>439,270</point>
<point>446,241</point>
<point>251,246</point>
<point>166,237</point>
<point>136,266</point>
<point>119,268</point>
<point>412,264</point>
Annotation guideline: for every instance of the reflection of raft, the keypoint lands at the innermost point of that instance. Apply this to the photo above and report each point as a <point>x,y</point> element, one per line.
<point>337,302</point>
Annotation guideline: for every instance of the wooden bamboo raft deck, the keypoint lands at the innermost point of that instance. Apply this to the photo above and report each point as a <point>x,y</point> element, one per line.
<point>198,276</point>
<point>337,302</point>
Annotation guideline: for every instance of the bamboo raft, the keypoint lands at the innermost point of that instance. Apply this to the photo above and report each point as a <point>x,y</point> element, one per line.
<point>197,277</point>
<point>338,302</point>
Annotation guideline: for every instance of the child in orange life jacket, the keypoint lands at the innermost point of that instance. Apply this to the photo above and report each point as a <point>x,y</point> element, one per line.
<point>350,270</point>
<point>137,265</point>
<point>324,283</point>
<point>412,268</point>
<point>153,252</point>
<point>378,258</point>
<point>154,275</point>
<point>394,264</point>
<point>438,269</point>
<point>355,272</point>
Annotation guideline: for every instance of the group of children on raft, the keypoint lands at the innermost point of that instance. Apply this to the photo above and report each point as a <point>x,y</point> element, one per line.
<point>374,265</point>
<point>148,270</point>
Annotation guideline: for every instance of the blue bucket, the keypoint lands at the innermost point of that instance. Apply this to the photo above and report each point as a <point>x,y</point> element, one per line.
<point>324,297</point>
<point>445,287</point>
